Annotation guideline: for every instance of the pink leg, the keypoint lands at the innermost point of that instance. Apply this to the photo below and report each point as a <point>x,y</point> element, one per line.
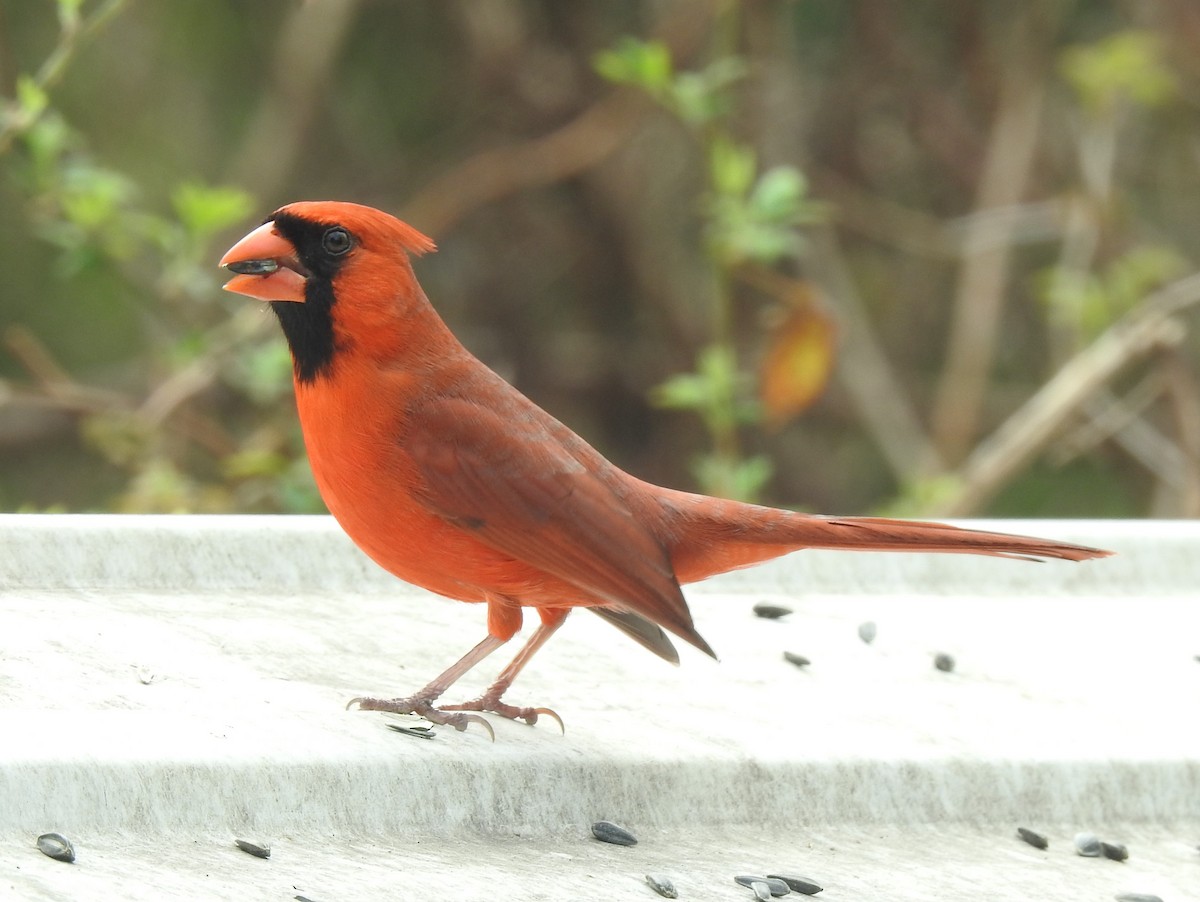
<point>422,702</point>
<point>490,700</point>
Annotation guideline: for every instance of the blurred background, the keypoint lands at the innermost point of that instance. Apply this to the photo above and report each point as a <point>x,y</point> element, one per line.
<point>839,255</point>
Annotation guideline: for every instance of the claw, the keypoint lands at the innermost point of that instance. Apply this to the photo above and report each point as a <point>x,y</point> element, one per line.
<point>422,708</point>
<point>549,713</point>
<point>468,719</point>
<point>512,712</point>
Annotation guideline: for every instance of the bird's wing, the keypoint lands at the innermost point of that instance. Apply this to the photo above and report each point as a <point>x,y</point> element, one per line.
<point>522,483</point>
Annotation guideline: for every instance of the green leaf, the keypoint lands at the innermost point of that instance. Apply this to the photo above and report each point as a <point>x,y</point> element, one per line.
<point>253,462</point>
<point>68,13</point>
<point>205,210</point>
<point>1129,65</point>
<point>645,64</point>
<point>31,99</point>
<point>731,167</point>
<point>742,478</point>
<point>683,391</point>
<point>779,195</point>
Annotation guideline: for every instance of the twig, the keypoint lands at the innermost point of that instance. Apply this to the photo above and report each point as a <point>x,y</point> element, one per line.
<point>72,35</point>
<point>1185,402</point>
<point>865,372</point>
<point>980,294</point>
<point>306,49</point>
<point>494,174</point>
<point>581,144</point>
<point>1028,430</point>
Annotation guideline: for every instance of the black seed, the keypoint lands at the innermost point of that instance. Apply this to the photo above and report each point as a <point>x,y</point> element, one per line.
<point>253,848</point>
<point>662,885</point>
<point>1088,845</point>
<point>798,660</point>
<point>1115,850</point>
<point>1034,839</point>
<point>771,611</point>
<point>419,732</point>
<point>56,846</point>
<point>607,831</point>
<point>774,885</point>
<point>866,631</point>
<point>798,884</point>
<point>1137,897</point>
<point>943,662</point>
<point>253,267</point>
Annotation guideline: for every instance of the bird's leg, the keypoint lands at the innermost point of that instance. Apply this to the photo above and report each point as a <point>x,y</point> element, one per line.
<point>490,700</point>
<point>421,703</point>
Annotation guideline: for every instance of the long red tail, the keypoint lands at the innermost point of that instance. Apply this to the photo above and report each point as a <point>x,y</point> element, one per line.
<point>715,536</point>
<point>883,534</point>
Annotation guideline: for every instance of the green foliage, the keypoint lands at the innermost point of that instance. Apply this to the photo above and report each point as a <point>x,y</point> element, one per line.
<point>98,219</point>
<point>1092,301</point>
<point>1126,67</point>
<point>755,221</point>
<point>643,64</point>
<point>749,218</point>
<point>716,391</point>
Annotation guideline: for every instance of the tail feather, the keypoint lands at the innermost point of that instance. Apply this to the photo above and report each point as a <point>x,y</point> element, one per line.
<point>883,534</point>
<point>712,537</point>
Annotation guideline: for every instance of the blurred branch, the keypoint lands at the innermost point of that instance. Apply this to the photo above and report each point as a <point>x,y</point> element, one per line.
<point>922,235</point>
<point>980,293</point>
<point>73,33</point>
<point>496,173</point>
<point>57,389</point>
<point>308,46</point>
<point>1184,395</point>
<point>1027,431</point>
<point>576,147</point>
<point>223,342</point>
<point>865,372</point>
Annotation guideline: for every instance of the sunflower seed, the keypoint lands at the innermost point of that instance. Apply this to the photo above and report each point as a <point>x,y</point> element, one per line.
<point>1137,897</point>
<point>253,267</point>
<point>761,891</point>
<point>607,831</point>
<point>56,846</point>
<point>1088,845</point>
<point>798,884</point>
<point>866,631</point>
<point>771,611</point>
<point>1034,839</point>
<point>798,660</point>
<point>662,885</point>
<point>254,849</point>
<point>419,732</point>
<point>1115,850</point>
<point>775,886</point>
<point>943,662</point>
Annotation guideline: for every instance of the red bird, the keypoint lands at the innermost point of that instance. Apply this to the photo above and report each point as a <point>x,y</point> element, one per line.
<point>451,479</point>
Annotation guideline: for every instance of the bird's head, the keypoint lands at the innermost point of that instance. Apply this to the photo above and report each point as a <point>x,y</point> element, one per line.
<point>333,272</point>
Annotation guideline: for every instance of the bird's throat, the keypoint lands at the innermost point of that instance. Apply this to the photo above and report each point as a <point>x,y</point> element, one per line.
<point>308,328</point>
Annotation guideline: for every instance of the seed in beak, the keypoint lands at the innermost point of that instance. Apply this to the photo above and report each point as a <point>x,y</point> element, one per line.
<point>253,267</point>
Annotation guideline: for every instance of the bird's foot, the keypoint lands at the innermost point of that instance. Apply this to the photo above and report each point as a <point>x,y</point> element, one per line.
<point>491,703</point>
<point>423,707</point>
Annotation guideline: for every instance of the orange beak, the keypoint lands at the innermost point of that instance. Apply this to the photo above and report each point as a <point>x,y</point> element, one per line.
<point>266,267</point>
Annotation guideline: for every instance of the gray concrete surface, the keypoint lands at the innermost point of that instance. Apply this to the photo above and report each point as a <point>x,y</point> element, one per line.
<point>170,684</point>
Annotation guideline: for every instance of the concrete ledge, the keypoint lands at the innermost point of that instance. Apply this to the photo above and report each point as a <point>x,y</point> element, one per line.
<point>167,684</point>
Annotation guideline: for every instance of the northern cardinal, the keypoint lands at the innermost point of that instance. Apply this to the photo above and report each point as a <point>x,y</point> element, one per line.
<point>450,478</point>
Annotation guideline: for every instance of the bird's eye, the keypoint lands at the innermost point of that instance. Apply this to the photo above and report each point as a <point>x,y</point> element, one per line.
<point>336,241</point>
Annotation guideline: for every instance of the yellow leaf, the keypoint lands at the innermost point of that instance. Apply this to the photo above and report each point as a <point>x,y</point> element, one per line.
<point>798,360</point>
